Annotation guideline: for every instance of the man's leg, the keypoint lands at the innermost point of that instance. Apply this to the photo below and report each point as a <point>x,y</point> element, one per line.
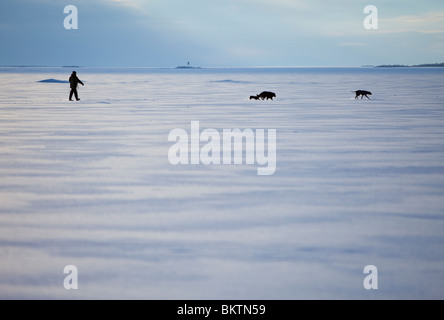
<point>70,94</point>
<point>76,94</point>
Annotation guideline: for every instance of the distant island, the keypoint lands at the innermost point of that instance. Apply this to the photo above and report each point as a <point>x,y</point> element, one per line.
<point>187,67</point>
<point>427,65</point>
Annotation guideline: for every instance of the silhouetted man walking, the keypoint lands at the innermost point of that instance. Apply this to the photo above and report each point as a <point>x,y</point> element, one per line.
<point>73,82</point>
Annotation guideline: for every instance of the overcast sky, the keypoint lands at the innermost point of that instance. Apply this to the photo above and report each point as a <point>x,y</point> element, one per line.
<point>212,33</point>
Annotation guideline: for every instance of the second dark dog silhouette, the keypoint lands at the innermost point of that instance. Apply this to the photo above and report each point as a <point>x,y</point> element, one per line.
<point>362,93</point>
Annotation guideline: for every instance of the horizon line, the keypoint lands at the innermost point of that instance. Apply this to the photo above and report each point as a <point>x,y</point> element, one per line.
<point>216,67</point>
<point>176,67</point>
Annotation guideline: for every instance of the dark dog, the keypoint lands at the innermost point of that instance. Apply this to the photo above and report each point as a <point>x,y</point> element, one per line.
<point>256,97</point>
<point>266,95</point>
<point>362,93</point>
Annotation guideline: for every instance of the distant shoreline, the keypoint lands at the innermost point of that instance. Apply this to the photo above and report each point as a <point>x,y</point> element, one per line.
<point>425,65</point>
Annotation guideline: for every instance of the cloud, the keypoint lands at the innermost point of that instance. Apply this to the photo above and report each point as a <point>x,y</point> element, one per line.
<point>427,22</point>
<point>353,44</point>
<point>136,5</point>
